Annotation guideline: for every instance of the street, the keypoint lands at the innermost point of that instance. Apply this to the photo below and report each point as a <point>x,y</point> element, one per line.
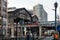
<point>48,38</point>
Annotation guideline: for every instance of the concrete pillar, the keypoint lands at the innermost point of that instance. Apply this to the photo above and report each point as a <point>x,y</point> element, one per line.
<point>12,32</point>
<point>6,28</point>
<point>6,31</point>
<point>25,30</point>
<point>40,29</point>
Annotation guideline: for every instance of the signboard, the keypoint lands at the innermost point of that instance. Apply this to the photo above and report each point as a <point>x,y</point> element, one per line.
<point>58,28</point>
<point>32,25</point>
<point>24,26</point>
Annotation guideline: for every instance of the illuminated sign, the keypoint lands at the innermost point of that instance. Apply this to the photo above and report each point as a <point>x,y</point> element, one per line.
<point>58,28</point>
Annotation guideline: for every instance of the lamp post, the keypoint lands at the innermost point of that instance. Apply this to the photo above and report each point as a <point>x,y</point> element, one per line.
<point>55,5</point>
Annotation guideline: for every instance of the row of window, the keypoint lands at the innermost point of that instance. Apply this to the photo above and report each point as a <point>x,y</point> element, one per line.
<point>4,9</point>
<point>4,23</point>
<point>4,3</point>
<point>4,15</point>
<point>9,31</point>
<point>24,23</point>
<point>10,16</point>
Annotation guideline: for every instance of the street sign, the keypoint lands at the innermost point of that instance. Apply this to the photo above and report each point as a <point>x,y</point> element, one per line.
<point>58,28</point>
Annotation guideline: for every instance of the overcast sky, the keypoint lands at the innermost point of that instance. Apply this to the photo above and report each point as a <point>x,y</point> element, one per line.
<point>28,4</point>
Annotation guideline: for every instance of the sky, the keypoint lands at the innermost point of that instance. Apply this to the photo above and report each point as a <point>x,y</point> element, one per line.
<point>48,6</point>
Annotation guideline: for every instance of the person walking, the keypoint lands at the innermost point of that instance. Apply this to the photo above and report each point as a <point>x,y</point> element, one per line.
<point>29,35</point>
<point>56,36</point>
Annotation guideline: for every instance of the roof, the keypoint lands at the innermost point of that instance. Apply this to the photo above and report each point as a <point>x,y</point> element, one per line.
<point>11,9</point>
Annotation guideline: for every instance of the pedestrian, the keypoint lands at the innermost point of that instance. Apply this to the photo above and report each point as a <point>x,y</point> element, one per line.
<point>33,38</point>
<point>56,36</point>
<point>29,35</point>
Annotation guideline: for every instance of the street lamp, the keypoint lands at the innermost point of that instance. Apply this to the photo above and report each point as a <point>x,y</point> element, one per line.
<point>55,5</point>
